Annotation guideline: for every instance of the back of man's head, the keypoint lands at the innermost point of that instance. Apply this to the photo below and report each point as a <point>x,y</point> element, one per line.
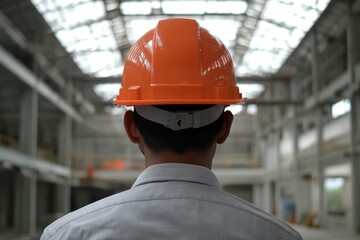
<point>159,138</point>
<point>179,78</point>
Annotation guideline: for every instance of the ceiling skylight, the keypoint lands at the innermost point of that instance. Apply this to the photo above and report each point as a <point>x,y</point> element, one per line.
<point>224,29</point>
<point>182,7</point>
<point>107,91</point>
<point>202,7</point>
<point>82,28</point>
<point>259,37</point>
<point>340,108</point>
<point>251,90</point>
<point>136,8</point>
<point>85,31</point>
<point>282,26</point>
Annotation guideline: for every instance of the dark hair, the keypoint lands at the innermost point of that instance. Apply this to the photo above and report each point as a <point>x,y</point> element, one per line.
<point>160,138</point>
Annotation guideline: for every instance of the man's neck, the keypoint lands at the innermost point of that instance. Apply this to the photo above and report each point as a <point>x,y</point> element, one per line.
<point>197,158</point>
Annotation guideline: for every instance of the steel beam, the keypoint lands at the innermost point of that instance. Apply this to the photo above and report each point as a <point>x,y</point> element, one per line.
<point>21,160</point>
<point>11,31</point>
<point>40,59</point>
<point>29,78</point>
<point>329,92</point>
<point>239,17</point>
<point>273,102</point>
<point>324,22</point>
<point>246,32</point>
<point>90,81</point>
<point>21,41</point>
<point>116,17</point>
<point>246,80</point>
<point>264,79</point>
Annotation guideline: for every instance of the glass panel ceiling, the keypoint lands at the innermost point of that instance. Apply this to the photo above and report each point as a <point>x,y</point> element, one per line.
<point>85,30</point>
<point>182,7</point>
<point>82,28</point>
<point>282,25</point>
<point>224,28</point>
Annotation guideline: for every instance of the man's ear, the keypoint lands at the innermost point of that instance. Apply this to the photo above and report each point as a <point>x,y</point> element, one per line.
<point>225,129</point>
<point>130,127</point>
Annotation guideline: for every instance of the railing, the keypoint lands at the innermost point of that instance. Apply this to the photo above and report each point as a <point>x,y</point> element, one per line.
<point>9,142</point>
<point>14,144</point>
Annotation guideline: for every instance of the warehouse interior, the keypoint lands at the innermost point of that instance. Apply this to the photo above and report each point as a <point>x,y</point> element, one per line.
<point>294,146</point>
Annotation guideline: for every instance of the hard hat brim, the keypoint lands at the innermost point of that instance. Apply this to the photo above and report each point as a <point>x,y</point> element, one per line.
<point>119,103</point>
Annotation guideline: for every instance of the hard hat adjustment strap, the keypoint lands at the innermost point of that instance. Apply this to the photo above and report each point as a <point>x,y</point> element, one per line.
<point>180,120</point>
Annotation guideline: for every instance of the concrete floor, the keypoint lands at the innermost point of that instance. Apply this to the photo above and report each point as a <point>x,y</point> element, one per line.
<point>325,234</point>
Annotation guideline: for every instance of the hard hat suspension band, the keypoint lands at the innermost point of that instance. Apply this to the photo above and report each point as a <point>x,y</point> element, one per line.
<point>180,120</point>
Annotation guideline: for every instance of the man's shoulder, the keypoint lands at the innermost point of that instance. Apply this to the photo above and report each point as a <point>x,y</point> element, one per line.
<point>117,207</point>
<point>72,219</point>
<point>265,221</point>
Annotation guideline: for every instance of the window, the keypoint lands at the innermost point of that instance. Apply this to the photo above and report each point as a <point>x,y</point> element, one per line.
<point>340,108</point>
<point>335,195</point>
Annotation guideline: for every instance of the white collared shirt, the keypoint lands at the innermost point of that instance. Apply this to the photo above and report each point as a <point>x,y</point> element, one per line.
<point>171,201</point>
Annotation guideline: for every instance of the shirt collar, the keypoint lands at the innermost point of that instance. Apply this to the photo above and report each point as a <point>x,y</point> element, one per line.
<point>177,172</point>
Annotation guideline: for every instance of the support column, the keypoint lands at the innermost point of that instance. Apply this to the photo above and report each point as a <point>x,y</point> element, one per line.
<point>32,203</point>
<point>29,122</point>
<point>296,170</point>
<point>65,151</point>
<point>25,210</point>
<point>320,169</point>
<point>256,195</point>
<point>355,165</point>
<point>316,77</point>
<point>353,47</point>
<point>315,70</point>
<point>267,193</point>
<point>268,160</point>
<point>278,210</point>
<point>65,146</point>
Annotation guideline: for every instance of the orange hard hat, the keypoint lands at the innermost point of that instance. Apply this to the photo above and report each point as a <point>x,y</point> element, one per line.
<point>178,62</point>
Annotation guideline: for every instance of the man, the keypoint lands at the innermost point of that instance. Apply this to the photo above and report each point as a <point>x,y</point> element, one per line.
<point>179,78</point>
